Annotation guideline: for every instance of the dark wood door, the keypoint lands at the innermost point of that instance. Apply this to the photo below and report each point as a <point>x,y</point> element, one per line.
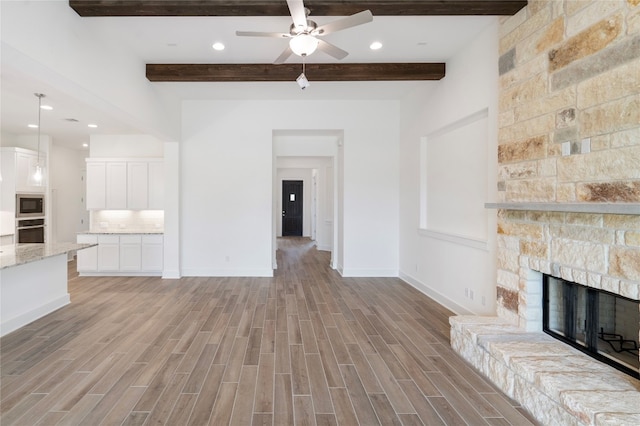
<point>291,208</point>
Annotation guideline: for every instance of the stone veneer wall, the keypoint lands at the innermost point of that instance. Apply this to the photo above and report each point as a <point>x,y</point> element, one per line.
<point>569,132</point>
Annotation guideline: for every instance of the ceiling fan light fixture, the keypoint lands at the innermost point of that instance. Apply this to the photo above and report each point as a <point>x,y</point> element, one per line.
<point>303,44</point>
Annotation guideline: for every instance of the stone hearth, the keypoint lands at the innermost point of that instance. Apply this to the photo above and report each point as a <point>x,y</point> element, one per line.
<point>556,383</point>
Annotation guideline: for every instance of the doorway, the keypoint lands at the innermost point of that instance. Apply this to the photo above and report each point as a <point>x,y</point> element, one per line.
<point>292,207</point>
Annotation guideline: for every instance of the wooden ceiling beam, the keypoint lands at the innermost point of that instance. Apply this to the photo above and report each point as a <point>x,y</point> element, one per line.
<point>289,72</point>
<point>94,8</point>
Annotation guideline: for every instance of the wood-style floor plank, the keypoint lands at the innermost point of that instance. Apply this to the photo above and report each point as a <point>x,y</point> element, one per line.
<point>306,347</point>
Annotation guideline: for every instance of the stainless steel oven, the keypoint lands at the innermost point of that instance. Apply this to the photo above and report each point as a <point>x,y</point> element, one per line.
<point>30,231</point>
<point>29,205</point>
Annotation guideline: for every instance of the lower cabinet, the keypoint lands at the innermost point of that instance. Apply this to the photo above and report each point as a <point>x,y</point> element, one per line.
<point>109,253</point>
<point>87,259</point>
<point>135,254</point>
<point>152,253</point>
<point>130,252</point>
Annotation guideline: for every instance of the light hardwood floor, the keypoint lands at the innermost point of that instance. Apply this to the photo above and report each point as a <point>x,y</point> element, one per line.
<point>306,347</point>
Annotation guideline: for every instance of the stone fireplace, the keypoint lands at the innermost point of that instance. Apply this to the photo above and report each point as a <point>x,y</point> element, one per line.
<point>595,250</point>
<point>601,324</point>
<point>568,201</point>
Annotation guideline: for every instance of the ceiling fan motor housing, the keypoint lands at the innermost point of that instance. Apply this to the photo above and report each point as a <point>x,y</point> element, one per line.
<point>311,26</point>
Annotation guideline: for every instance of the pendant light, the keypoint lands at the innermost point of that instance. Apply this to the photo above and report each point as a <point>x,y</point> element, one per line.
<point>37,176</point>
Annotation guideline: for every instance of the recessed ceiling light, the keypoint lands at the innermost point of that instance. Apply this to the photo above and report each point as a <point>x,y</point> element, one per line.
<point>375,45</point>
<point>93,126</point>
<point>46,107</point>
<point>218,46</point>
<point>32,126</point>
<point>85,145</point>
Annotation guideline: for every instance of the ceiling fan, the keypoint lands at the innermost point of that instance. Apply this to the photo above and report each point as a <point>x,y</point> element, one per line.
<point>304,33</point>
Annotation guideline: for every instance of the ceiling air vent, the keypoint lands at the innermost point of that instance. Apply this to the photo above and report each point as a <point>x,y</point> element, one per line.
<point>71,120</point>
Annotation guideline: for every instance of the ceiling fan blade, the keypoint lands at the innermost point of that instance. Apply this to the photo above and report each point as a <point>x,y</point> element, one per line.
<point>348,22</point>
<point>296,8</point>
<point>261,34</point>
<point>332,50</point>
<point>284,56</point>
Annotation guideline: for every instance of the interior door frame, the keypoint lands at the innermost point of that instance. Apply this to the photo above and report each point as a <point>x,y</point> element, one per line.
<point>331,147</point>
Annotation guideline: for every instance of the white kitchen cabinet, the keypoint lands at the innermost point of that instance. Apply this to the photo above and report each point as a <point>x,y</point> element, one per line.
<point>130,252</point>
<point>96,185</point>
<point>123,184</point>
<point>109,253</point>
<point>152,252</point>
<point>156,185</point>
<point>137,185</point>
<point>26,165</point>
<point>122,254</point>
<point>116,185</point>
<point>18,169</point>
<point>87,259</point>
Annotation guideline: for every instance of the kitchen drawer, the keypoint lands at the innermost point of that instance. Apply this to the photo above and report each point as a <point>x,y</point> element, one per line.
<point>109,239</point>
<point>130,239</point>
<point>152,239</point>
<point>87,239</point>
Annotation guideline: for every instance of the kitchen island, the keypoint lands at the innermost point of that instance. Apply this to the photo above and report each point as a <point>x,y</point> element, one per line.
<point>33,282</point>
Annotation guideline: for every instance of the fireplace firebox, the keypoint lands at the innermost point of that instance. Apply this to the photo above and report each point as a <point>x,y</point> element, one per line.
<point>602,324</point>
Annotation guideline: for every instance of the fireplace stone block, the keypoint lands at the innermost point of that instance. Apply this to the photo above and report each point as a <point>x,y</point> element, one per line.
<point>556,383</point>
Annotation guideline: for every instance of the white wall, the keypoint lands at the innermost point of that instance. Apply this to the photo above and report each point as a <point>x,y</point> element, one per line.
<point>125,146</point>
<point>68,214</point>
<point>443,264</point>
<point>49,42</point>
<point>227,175</point>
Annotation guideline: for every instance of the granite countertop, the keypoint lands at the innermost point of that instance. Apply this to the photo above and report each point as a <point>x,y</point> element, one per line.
<point>124,231</point>
<point>19,254</point>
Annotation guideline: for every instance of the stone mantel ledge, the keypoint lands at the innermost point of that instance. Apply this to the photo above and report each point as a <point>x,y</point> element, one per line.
<point>555,382</point>
<point>596,208</point>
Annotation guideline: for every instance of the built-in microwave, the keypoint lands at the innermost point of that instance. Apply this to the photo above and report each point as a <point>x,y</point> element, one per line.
<point>29,205</point>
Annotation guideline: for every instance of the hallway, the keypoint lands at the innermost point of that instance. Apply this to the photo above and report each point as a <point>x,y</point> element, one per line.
<point>305,347</point>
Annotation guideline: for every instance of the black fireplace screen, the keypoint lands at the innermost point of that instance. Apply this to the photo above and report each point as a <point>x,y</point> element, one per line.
<point>601,324</point>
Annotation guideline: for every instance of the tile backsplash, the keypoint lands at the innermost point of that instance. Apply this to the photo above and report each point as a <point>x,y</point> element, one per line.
<point>127,221</point>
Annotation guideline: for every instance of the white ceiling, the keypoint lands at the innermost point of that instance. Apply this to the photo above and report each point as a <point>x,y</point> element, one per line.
<point>189,40</point>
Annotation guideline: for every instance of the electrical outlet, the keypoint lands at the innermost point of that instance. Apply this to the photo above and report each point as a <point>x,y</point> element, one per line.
<point>471,294</point>
<point>566,148</point>
<point>466,292</point>
<point>484,301</point>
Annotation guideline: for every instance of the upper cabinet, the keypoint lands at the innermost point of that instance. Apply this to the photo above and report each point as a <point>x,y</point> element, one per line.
<point>129,184</point>
<point>26,165</point>
<point>19,167</point>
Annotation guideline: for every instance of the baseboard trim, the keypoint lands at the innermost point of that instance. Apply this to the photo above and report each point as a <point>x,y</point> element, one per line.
<point>435,295</point>
<point>120,274</point>
<point>34,314</point>
<point>227,272</point>
<point>172,274</point>
<point>369,273</point>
